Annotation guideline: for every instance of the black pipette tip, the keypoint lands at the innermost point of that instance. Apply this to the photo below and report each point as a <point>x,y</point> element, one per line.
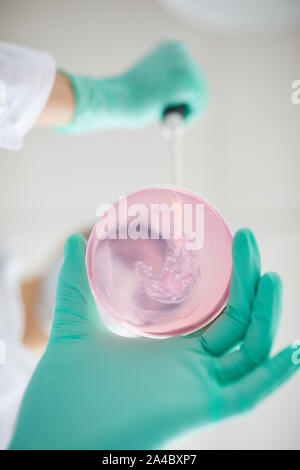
<point>181,109</point>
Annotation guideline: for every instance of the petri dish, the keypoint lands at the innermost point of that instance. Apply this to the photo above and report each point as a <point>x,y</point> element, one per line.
<point>159,263</point>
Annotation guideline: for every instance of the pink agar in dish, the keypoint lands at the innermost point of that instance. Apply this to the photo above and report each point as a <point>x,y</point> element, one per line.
<point>158,286</point>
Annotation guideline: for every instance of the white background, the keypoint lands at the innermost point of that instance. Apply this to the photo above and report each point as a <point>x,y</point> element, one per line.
<point>243,157</point>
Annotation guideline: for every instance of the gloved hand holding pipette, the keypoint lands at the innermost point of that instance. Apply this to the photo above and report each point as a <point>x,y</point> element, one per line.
<point>95,390</point>
<point>167,76</point>
<point>76,104</point>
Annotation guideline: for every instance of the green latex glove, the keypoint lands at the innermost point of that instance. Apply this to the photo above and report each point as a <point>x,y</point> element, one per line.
<point>95,390</point>
<point>167,76</point>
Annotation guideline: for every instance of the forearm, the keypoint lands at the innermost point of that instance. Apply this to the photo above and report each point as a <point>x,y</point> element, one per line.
<point>60,107</point>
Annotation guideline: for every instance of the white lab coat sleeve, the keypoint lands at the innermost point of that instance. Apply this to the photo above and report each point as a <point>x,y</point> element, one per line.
<point>26,80</point>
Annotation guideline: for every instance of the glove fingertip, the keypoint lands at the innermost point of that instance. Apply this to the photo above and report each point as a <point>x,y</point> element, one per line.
<point>270,294</point>
<point>244,236</point>
<point>75,244</point>
<point>245,244</point>
<point>272,281</point>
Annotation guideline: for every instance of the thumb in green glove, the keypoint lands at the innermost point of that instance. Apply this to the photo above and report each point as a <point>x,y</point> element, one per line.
<point>95,390</point>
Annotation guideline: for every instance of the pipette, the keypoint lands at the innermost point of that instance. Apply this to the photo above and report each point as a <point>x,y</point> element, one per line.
<point>173,130</point>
